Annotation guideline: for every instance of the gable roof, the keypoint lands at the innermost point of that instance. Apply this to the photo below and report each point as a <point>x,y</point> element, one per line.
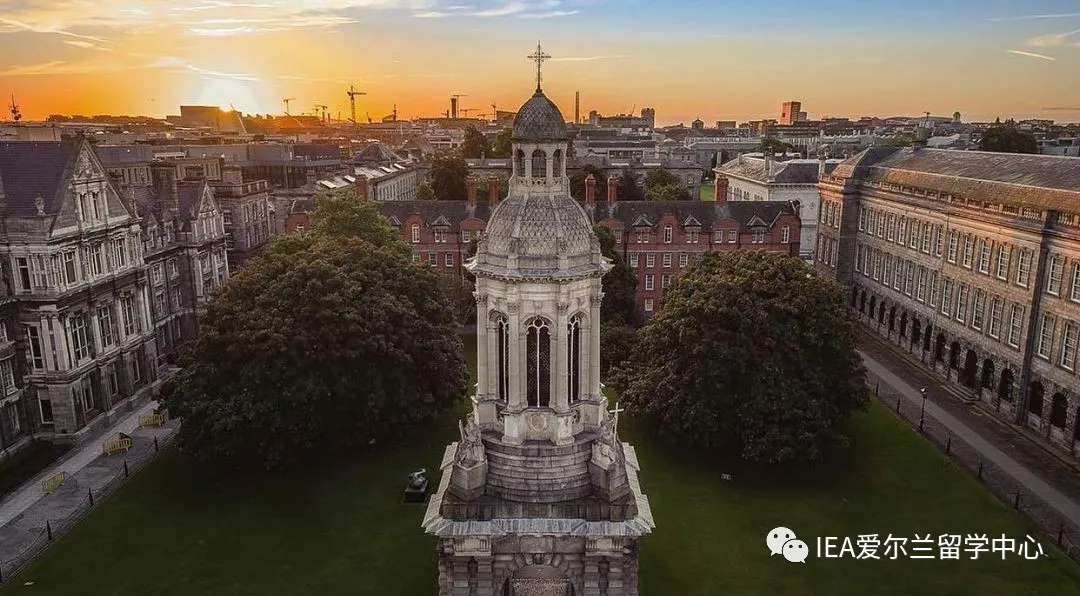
<point>792,171</point>
<point>32,169</point>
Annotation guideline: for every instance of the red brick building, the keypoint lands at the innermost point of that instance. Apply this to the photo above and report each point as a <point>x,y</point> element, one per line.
<point>657,239</point>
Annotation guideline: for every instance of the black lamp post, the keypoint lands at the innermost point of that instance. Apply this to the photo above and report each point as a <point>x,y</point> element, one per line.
<point>922,410</point>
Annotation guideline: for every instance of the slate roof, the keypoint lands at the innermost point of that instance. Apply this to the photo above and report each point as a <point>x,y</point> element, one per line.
<point>1034,181</point>
<point>539,120</point>
<point>704,213</point>
<point>376,153</point>
<point>795,171</point>
<point>32,169</point>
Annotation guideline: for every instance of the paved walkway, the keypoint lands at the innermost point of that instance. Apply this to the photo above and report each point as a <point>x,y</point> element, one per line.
<point>979,439</point>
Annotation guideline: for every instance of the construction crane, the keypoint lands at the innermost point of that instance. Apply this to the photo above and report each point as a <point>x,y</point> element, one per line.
<point>494,111</point>
<point>286,102</point>
<point>352,93</point>
<point>454,103</point>
<point>16,115</point>
<point>466,111</point>
<point>324,114</point>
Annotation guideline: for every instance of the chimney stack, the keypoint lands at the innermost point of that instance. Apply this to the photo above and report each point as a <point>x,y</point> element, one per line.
<point>720,189</point>
<point>590,189</point>
<point>361,187</point>
<point>612,189</point>
<point>493,189</point>
<point>470,186</point>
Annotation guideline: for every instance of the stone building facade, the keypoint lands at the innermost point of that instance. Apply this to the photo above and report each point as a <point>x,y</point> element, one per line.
<point>246,210</point>
<point>539,496</point>
<point>77,345</point>
<point>969,261</point>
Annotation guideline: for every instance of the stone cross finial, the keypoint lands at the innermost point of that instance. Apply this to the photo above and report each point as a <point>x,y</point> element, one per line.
<point>615,418</point>
<point>538,58</point>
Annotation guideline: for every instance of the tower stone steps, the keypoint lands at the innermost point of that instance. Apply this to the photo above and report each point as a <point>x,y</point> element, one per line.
<point>538,471</point>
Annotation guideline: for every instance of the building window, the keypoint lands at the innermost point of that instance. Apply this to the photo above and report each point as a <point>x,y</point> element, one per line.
<point>862,219</point>
<point>573,372</point>
<point>466,236</point>
<point>969,250</point>
<point>886,269</point>
<point>1074,294</point>
<point>1023,268</point>
<point>1054,274</point>
<point>902,231</point>
<point>891,228</point>
<point>946,297</point>
<point>648,305</point>
<point>785,234</point>
<point>684,259</point>
<point>996,310</point>
<point>502,355</point>
<point>618,235</point>
<point>954,241</point>
<point>80,338</point>
<point>45,409</point>
<point>650,260</point>
<point>129,315</point>
<point>415,233</point>
<point>120,252</point>
<point>36,355</point>
<point>1046,336</point>
<point>448,259</point>
<point>538,364</point>
<point>961,302</point>
<point>7,376</point>
<point>665,281</point>
<point>173,271</point>
<point>732,236</point>
<point>939,240</point>
<point>667,259</point>
<point>880,225</point>
<point>1068,345</point>
<point>433,259</point>
<point>136,366</point>
<point>920,288</point>
<point>648,281</point>
<point>440,237</point>
<point>758,237</point>
<point>1016,325</point>
<point>71,275</point>
<point>416,257</point>
<point>177,298</point>
<point>667,235</point>
<point>898,273</point>
<point>909,277</point>
<point>156,274</point>
<point>106,330</point>
<point>1003,262</point>
<point>913,234</point>
<point>978,298</point>
<point>633,260</point>
<point>984,257</point>
<point>718,236</point>
<point>539,164</point>
<point>927,235</point>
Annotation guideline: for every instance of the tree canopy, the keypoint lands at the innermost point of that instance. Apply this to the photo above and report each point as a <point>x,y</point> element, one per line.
<point>577,182</point>
<point>501,146</point>
<point>662,185</point>
<point>620,284</point>
<point>749,351</point>
<point>447,173</point>
<point>424,192</point>
<point>629,189</point>
<point>475,145</point>
<point>774,145</point>
<point>330,341</point>
<point>1006,138</point>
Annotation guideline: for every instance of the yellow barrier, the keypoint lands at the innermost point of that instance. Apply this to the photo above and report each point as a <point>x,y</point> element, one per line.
<point>116,445</point>
<point>152,420</point>
<point>53,482</point>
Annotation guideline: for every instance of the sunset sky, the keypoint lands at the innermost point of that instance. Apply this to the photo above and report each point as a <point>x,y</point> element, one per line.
<point>713,59</point>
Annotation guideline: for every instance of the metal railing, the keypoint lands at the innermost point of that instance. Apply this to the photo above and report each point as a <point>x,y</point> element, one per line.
<point>1064,533</point>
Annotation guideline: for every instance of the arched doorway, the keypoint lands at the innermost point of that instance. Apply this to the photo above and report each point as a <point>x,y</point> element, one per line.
<point>988,374</point>
<point>939,348</point>
<point>954,355</point>
<point>1005,386</point>
<point>903,324</point>
<point>927,335</point>
<point>892,319</point>
<point>1059,408</point>
<point>1035,398</point>
<point>873,306</point>
<point>916,330</point>
<point>881,313</point>
<point>971,366</point>
<point>854,296</point>
<point>862,302</point>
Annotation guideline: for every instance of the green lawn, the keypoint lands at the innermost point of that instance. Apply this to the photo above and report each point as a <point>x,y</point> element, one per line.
<point>343,530</point>
<point>708,192</point>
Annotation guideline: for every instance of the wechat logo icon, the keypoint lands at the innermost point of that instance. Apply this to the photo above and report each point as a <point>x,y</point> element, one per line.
<point>782,541</point>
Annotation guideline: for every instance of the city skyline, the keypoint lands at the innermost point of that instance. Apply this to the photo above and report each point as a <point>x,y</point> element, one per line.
<point>688,59</point>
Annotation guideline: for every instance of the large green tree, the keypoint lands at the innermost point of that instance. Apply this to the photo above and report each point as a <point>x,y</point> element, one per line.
<point>774,145</point>
<point>475,145</point>
<point>328,342</point>
<point>447,173</point>
<point>501,145</point>
<point>662,185</point>
<point>1006,138</point>
<point>424,192</point>
<point>629,189</point>
<point>619,316</point>
<point>749,351</point>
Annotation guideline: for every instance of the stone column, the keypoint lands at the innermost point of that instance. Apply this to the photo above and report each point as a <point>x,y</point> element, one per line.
<point>63,348</point>
<point>483,333</point>
<point>94,331</point>
<point>594,344</point>
<point>560,398</point>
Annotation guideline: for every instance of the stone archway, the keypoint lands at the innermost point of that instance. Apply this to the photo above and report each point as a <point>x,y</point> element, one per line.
<point>862,302</point>
<point>939,348</point>
<point>903,324</point>
<point>892,319</point>
<point>988,374</point>
<point>1059,409</point>
<point>854,296</point>
<point>534,573</point>
<point>916,330</point>
<point>1005,385</point>
<point>873,306</point>
<point>954,355</point>
<point>881,312</point>
<point>1035,398</point>
<point>971,367</point>
<point>928,335</point>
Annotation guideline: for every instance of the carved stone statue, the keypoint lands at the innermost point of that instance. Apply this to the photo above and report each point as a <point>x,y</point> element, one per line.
<point>418,479</point>
<point>607,430</point>
<point>471,449</point>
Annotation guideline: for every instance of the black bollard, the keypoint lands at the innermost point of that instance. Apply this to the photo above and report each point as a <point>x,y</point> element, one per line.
<point>48,530</point>
<point>90,495</point>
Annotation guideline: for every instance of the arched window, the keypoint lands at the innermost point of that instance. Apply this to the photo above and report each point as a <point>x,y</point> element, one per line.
<point>573,360</point>
<point>519,163</point>
<point>557,164</point>
<point>538,364</point>
<point>502,359</point>
<point>539,164</point>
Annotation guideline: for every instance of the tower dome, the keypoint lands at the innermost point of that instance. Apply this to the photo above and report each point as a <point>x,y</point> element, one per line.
<point>539,120</point>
